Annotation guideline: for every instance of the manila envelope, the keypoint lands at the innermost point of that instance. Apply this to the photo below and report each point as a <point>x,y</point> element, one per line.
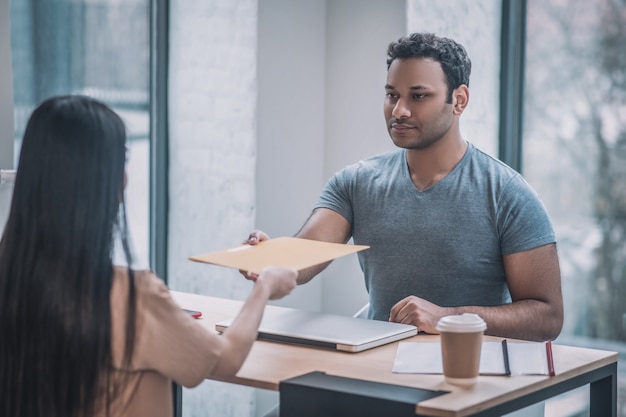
<point>287,252</point>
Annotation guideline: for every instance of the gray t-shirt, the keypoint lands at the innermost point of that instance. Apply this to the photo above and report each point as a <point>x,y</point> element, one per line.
<point>444,244</point>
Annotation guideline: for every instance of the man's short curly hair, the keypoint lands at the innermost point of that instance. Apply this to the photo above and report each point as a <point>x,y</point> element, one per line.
<point>452,56</point>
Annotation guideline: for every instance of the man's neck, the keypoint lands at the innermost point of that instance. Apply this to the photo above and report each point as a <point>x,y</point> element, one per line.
<point>428,166</point>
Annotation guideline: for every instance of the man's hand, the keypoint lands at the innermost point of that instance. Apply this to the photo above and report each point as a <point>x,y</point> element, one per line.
<point>419,312</point>
<point>255,237</point>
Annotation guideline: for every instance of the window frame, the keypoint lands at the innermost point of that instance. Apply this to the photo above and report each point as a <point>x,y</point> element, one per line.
<point>512,69</point>
<point>159,142</point>
<point>6,89</point>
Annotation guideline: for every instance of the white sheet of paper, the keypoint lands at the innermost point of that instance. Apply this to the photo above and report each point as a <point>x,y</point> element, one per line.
<point>425,358</point>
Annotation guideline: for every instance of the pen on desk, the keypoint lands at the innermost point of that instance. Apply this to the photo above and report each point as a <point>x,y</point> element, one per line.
<point>550,358</point>
<point>505,356</point>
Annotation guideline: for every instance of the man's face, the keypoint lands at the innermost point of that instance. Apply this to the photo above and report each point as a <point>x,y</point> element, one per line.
<point>416,111</point>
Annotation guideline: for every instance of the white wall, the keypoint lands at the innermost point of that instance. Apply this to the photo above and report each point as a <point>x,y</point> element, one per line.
<point>212,154</point>
<point>290,123</point>
<point>320,64</point>
<point>358,33</point>
<point>321,76</point>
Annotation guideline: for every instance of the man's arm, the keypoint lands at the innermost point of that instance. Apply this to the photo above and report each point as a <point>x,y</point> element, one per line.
<point>536,311</point>
<point>325,225</point>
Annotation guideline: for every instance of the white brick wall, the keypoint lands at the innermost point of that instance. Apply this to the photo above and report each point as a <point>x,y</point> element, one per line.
<point>212,120</point>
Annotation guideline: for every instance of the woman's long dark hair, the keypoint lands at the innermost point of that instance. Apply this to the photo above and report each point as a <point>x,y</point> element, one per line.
<point>56,268</point>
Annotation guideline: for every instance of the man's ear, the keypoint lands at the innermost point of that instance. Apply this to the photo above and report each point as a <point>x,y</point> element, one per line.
<point>460,98</point>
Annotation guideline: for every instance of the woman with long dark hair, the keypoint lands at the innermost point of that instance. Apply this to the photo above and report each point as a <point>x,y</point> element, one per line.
<point>79,336</point>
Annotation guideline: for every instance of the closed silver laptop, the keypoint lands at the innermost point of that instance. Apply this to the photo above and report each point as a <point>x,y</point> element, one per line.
<point>324,330</point>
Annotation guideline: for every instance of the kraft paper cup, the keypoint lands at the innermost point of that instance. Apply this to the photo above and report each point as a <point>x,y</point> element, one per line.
<point>461,342</point>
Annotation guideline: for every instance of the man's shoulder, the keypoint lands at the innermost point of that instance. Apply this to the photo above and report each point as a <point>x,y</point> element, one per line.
<point>376,162</point>
<point>494,176</point>
<point>491,165</point>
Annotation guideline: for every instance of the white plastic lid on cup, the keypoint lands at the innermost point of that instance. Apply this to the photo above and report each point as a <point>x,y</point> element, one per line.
<point>462,323</point>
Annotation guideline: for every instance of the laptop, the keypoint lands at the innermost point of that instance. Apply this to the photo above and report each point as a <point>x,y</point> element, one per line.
<point>349,334</point>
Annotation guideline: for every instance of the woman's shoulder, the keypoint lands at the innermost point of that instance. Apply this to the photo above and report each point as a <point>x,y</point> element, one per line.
<point>153,302</point>
<point>147,284</point>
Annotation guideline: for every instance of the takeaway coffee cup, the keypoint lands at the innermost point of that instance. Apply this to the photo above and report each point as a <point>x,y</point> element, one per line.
<point>461,341</point>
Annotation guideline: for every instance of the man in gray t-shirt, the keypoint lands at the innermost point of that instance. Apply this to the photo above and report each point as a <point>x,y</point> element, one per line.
<point>445,243</point>
<point>450,229</point>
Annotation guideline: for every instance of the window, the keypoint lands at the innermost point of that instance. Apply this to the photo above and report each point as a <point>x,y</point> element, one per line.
<point>574,154</point>
<point>99,48</point>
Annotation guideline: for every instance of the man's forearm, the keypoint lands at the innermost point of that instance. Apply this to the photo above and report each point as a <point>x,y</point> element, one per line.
<point>307,274</point>
<point>525,319</point>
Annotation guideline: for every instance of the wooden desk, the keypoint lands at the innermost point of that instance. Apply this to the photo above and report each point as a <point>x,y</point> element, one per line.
<point>269,363</point>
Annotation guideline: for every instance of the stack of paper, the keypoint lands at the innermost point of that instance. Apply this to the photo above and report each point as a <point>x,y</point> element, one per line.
<point>496,358</point>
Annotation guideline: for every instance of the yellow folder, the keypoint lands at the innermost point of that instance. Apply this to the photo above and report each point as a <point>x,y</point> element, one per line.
<point>288,252</point>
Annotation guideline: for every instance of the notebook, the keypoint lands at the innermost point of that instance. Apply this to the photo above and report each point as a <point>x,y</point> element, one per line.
<point>349,334</point>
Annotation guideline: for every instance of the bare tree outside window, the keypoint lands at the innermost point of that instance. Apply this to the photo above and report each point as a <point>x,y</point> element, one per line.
<point>575,156</point>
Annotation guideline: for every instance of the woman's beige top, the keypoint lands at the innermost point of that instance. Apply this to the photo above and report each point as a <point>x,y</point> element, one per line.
<point>170,345</point>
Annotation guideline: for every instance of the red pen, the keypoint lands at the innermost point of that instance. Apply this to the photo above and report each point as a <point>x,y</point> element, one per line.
<point>193,313</point>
